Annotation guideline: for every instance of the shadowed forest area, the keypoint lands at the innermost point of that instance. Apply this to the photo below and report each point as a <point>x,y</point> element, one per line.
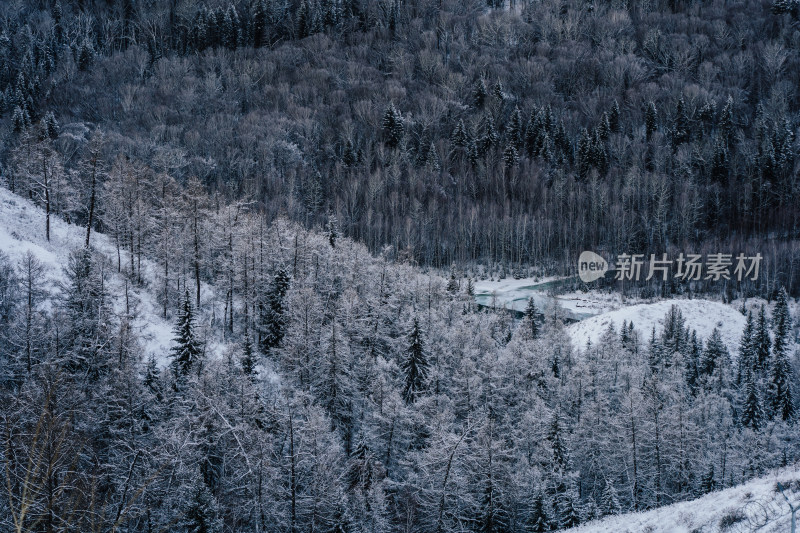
<point>450,131</point>
<point>282,186</point>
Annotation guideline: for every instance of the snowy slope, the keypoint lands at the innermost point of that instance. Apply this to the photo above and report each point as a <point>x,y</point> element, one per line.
<point>22,229</point>
<point>755,504</point>
<point>700,315</point>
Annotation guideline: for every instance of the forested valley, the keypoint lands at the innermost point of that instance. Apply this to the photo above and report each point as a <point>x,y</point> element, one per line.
<point>306,192</point>
<point>449,131</point>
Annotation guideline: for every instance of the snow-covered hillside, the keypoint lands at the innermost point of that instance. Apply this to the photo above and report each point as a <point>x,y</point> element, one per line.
<point>700,315</point>
<point>22,230</point>
<point>752,506</point>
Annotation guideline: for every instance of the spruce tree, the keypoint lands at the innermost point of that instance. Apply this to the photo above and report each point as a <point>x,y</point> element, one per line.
<point>707,481</point>
<point>538,521</point>
<point>570,509</point>
<point>452,284</point>
<point>271,313</point>
<point>50,125</point>
<point>392,126</point>
<point>514,131</point>
<point>248,356</point>
<point>614,118</point>
<point>510,157</point>
<point>779,392</point>
<point>650,120</point>
<point>556,440</point>
<point>610,500</point>
<point>202,512</point>
<point>680,130</point>
<point>479,93</point>
<point>780,400</point>
<point>259,23</point>
<point>415,364</point>
<point>752,412</point>
<point>187,351</point>
<point>781,322</point>
<point>332,230</point>
<point>532,318</point>
<point>693,362</point>
<point>714,357</point>
<point>747,352</point>
<point>762,342</point>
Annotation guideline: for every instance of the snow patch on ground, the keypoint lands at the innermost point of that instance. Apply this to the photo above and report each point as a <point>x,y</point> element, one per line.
<point>761,507</point>
<point>700,315</point>
<point>22,230</point>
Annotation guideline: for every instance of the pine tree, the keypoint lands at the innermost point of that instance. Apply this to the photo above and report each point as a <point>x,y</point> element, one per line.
<point>19,120</point>
<point>692,362</point>
<point>707,481</point>
<point>725,124</point>
<point>510,157</point>
<point>392,126</point>
<point>248,356</point>
<point>570,509</point>
<point>538,521</point>
<point>50,125</point>
<point>532,317</point>
<point>452,284</point>
<point>762,342</point>
<point>514,131</point>
<point>86,306</point>
<point>304,20</point>
<point>259,23</point>
<point>85,56</point>
<point>271,313</point>
<point>202,513</point>
<point>556,440</point>
<point>779,393</point>
<point>333,230</point>
<point>187,350</point>
<point>780,401</point>
<point>360,473</point>
<point>415,365</point>
<point>680,130</point>
<point>747,352</point>
<point>479,93</point>
<point>460,137</point>
<point>610,501</point>
<point>714,357</point>
<point>604,128</point>
<point>614,118</point>
<point>489,137</point>
<point>781,322</point>
<point>650,120</point>
<point>752,413</point>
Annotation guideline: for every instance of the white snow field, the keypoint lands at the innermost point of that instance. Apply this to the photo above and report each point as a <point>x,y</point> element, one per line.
<point>753,506</point>
<point>700,315</point>
<point>22,229</point>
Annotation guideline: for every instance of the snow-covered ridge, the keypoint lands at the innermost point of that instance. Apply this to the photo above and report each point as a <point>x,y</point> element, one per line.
<point>22,230</point>
<point>752,506</point>
<point>700,315</point>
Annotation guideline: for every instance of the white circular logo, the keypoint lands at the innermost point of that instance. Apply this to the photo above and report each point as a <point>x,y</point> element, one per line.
<point>591,266</point>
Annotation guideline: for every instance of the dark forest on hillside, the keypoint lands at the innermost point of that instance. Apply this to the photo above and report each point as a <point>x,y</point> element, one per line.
<point>305,192</point>
<point>451,131</point>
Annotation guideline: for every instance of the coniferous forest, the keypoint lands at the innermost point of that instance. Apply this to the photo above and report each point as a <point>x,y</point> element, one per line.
<point>305,192</point>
